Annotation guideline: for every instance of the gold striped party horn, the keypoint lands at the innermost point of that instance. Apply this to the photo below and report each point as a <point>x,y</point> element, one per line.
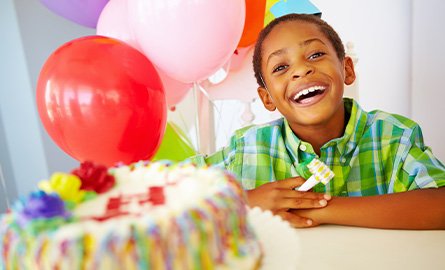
<point>320,173</point>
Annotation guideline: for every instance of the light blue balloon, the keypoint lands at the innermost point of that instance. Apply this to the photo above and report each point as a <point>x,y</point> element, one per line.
<point>293,6</point>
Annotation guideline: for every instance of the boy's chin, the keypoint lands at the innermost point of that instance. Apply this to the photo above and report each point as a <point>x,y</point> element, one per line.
<point>312,119</point>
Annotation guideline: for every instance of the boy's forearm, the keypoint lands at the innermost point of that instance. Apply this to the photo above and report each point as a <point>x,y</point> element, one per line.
<point>419,209</point>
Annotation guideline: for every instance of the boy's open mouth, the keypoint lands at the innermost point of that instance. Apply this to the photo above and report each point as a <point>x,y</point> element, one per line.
<point>305,95</point>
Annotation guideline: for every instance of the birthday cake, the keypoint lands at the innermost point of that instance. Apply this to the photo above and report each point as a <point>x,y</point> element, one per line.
<point>141,216</point>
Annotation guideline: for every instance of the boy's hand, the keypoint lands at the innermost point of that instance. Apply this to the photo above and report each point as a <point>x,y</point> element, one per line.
<point>280,195</point>
<point>296,220</point>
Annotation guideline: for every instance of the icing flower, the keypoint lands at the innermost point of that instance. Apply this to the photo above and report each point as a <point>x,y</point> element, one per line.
<point>67,186</point>
<point>94,177</point>
<point>41,205</point>
<point>40,211</point>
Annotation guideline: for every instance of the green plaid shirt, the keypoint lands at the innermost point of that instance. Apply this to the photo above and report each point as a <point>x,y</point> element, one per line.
<point>379,153</point>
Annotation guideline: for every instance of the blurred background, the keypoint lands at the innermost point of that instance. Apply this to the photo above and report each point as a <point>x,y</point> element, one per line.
<point>398,45</point>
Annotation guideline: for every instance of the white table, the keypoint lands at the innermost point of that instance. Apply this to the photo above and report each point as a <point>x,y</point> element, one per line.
<point>341,247</point>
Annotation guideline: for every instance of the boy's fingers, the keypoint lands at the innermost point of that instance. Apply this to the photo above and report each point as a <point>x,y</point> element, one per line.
<point>299,203</point>
<point>295,220</point>
<point>313,195</point>
<point>290,193</point>
<point>290,183</point>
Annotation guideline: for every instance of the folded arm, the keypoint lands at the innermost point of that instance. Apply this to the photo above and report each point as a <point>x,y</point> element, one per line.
<point>417,209</point>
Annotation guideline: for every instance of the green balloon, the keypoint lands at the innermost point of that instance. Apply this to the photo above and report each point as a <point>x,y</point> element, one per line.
<point>175,145</point>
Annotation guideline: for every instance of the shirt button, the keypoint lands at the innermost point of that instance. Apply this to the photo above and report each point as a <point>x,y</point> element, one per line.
<point>302,147</point>
<point>343,159</point>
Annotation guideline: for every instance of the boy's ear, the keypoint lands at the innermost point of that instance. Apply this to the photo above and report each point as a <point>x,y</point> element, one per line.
<point>266,99</point>
<point>349,71</point>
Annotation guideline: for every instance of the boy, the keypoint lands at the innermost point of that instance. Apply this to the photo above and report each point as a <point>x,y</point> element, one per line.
<point>301,68</point>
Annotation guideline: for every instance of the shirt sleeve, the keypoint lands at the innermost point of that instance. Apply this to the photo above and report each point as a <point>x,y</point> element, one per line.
<point>223,158</point>
<point>420,169</point>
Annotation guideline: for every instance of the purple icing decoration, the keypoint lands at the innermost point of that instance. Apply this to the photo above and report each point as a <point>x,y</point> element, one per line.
<point>40,205</point>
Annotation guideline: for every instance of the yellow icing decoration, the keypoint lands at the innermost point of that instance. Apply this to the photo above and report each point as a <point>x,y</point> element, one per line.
<point>67,186</point>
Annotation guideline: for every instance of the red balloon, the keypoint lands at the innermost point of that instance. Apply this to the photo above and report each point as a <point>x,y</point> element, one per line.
<point>101,100</point>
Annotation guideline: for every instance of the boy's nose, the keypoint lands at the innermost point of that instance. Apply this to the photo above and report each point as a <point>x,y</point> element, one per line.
<point>302,71</point>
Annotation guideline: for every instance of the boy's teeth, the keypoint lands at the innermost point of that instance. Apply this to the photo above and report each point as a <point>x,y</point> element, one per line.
<point>308,90</point>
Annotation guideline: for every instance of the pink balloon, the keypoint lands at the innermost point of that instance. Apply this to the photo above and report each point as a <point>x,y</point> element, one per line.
<point>113,22</point>
<point>175,91</point>
<point>188,40</point>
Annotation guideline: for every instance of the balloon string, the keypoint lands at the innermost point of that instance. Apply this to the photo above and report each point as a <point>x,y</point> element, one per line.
<point>195,98</point>
<point>219,121</point>
<point>180,133</point>
<point>206,94</point>
<point>185,124</point>
<point>217,109</point>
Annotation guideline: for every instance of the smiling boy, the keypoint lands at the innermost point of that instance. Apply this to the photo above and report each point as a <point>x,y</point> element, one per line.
<point>385,177</point>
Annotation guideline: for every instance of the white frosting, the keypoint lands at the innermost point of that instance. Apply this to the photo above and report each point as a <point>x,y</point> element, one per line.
<point>180,189</point>
<point>147,197</point>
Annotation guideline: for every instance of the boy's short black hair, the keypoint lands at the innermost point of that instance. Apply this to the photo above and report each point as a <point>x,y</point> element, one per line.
<point>324,27</point>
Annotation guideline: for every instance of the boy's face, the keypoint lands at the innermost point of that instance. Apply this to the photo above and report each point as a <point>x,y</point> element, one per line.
<point>303,76</point>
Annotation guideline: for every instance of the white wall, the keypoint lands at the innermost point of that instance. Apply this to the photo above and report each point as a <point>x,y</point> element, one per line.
<point>42,32</point>
<point>399,44</point>
<point>381,33</point>
<point>428,76</point>
<point>29,34</point>
<point>23,158</point>
<point>380,30</point>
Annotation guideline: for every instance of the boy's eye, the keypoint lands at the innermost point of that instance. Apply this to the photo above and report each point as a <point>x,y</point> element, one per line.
<point>279,68</point>
<point>316,55</point>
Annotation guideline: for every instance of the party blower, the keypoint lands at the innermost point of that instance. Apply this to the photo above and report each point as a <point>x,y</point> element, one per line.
<point>320,173</point>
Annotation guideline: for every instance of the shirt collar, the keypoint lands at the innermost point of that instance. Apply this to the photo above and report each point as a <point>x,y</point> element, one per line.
<point>299,150</point>
<point>354,129</point>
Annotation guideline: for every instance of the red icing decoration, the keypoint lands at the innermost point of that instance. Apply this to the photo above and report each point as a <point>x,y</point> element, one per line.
<point>156,195</point>
<point>116,206</point>
<point>94,177</point>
